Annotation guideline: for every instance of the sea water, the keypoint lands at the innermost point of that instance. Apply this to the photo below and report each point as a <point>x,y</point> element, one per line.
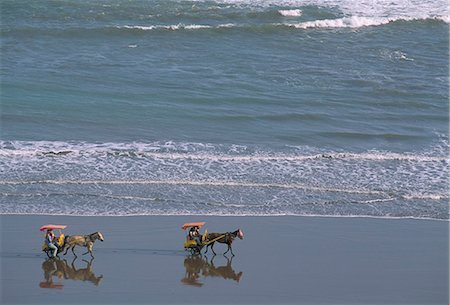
<point>226,107</point>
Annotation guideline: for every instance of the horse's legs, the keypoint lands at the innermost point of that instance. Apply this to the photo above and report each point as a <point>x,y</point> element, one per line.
<point>212,248</point>
<point>67,249</point>
<point>207,246</point>
<point>89,250</point>
<point>73,250</point>
<point>73,261</point>
<point>89,263</point>
<point>229,249</point>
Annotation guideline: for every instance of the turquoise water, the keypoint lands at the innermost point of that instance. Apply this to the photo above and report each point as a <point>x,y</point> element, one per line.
<point>225,108</point>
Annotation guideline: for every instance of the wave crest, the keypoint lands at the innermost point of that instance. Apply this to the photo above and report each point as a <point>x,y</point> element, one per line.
<point>175,27</point>
<point>195,151</point>
<point>358,22</point>
<point>290,13</point>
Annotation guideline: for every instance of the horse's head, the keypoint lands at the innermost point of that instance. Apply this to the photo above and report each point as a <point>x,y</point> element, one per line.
<point>100,236</point>
<point>240,234</point>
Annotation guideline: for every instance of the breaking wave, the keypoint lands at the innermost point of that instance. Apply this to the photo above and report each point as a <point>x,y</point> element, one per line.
<point>345,22</point>
<point>290,13</point>
<point>358,22</point>
<point>170,178</point>
<point>194,151</point>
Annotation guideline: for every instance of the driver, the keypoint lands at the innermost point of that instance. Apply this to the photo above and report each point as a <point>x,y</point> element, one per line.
<point>194,234</point>
<point>49,237</point>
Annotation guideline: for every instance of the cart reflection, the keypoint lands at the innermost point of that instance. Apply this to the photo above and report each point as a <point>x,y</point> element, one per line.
<point>61,270</point>
<point>198,267</point>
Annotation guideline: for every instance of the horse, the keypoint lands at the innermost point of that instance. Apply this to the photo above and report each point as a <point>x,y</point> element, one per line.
<point>227,238</point>
<point>83,241</point>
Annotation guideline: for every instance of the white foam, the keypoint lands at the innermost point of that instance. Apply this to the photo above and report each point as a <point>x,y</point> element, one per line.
<point>226,25</point>
<point>231,174</point>
<point>197,26</point>
<point>346,22</point>
<point>175,27</point>
<point>96,214</point>
<point>426,196</point>
<point>190,151</point>
<point>193,183</point>
<point>290,13</point>
<point>417,9</point>
<point>360,21</point>
<point>236,184</point>
<point>446,19</point>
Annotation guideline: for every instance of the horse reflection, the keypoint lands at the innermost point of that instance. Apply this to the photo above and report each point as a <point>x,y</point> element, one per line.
<point>60,269</point>
<point>197,267</point>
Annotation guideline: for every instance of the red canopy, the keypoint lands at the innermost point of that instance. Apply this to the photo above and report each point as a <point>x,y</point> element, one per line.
<point>50,285</point>
<point>193,224</point>
<point>50,226</point>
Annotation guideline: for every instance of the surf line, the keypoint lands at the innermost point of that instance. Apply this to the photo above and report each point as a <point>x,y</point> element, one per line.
<point>195,183</point>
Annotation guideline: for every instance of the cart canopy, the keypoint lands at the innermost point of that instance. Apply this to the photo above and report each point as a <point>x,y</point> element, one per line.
<point>193,224</point>
<point>50,226</point>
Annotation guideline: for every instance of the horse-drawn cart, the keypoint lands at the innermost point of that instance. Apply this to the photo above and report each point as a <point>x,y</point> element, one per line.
<point>194,240</point>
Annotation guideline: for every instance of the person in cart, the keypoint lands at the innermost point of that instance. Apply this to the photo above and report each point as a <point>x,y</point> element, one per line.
<point>194,234</point>
<point>49,240</point>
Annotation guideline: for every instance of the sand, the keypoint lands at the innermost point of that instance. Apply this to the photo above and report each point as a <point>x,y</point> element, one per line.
<point>282,260</point>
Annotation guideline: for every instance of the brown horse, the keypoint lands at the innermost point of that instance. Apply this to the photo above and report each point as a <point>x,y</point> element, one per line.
<point>227,238</point>
<point>83,241</point>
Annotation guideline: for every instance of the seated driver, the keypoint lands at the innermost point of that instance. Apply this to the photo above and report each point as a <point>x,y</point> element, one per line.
<point>50,241</point>
<point>194,234</point>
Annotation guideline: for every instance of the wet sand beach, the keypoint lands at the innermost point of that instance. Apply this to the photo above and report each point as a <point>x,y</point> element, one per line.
<point>282,260</point>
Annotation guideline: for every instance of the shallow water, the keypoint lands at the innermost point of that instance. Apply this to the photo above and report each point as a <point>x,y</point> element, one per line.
<point>281,260</point>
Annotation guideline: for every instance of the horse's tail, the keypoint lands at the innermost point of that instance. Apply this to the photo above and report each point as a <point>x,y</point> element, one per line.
<point>65,239</point>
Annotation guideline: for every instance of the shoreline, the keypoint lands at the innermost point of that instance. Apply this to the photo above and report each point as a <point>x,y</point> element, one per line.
<point>245,215</point>
<point>281,260</point>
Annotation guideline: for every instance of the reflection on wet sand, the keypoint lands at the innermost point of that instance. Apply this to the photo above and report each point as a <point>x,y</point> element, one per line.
<point>198,267</point>
<point>55,267</point>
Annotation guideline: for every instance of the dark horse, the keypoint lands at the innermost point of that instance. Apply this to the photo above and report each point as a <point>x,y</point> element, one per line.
<point>227,238</point>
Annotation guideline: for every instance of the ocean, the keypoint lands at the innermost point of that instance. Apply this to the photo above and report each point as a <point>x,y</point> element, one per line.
<point>229,107</point>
